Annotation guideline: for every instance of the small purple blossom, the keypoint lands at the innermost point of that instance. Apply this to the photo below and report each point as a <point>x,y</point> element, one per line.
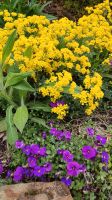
<point>44,135</point>
<point>18,174</point>
<point>101,140</point>
<point>9,172</point>
<point>1,168</point>
<point>28,172</point>
<point>32,162</point>
<point>67,181</point>
<point>26,150</point>
<point>39,171</point>
<point>53,131</point>
<point>60,151</point>
<point>48,167</point>
<point>90,131</point>
<point>57,103</point>
<point>67,135</point>
<point>67,156</point>
<point>19,144</point>
<point>42,151</point>
<point>73,168</point>
<point>82,168</point>
<point>89,152</point>
<point>105,157</point>
<point>34,148</point>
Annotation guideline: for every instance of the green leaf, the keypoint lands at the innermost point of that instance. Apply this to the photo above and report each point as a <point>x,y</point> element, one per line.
<point>50,17</point>
<point>14,78</point>
<point>21,117</point>
<point>12,134</point>
<point>107,76</point>
<point>25,86</point>
<point>40,122</point>
<point>8,46</point>
<point>3,125</point>
<point>28,52</point>
<point>40,106</point>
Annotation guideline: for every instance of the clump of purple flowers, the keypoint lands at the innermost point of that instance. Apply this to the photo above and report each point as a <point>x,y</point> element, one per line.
<point>61,135</point>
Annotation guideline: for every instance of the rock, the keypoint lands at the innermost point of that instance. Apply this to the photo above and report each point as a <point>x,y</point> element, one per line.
<point>35,191</point>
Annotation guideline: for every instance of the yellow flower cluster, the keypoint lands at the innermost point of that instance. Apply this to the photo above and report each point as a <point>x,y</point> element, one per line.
<point>60,110</point>
<point>61,51</point>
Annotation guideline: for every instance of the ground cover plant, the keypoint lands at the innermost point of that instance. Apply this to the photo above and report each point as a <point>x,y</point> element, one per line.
<point>51,70</point>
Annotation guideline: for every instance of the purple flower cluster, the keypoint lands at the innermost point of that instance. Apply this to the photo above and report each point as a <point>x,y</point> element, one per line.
<point>73,167</point>
<point>90,152</point>
<point>61,135</point>
<point>33,153</point>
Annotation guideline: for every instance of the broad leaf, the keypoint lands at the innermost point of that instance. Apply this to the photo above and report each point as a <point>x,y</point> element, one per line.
<point>21,117</point>
<point>3,125</point>
<point>14,78</point>
<point>12,134</point>
<point>40,106</point>
<point>8,46</point>
<point>28,52</point>
<point>25,86</point>
<point>40,121</point>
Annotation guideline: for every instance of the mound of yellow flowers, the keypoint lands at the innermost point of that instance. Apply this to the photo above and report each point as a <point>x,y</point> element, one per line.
<point>62,52</point>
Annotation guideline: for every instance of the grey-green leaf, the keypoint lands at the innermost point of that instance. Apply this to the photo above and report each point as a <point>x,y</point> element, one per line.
<point>12,134</point>
<point>24,86</point>
<point>21,117</point>
<point>28,52</point>
<point>39,106</point>
<point>40,121</point>
<point>3,125</point>
<point>15,78</point>
<point>8,46</point>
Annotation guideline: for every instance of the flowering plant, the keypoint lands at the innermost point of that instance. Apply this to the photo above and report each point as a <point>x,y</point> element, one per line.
<point>82,162</point>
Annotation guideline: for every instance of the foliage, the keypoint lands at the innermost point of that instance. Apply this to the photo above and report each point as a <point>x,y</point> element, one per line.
<point>94,181</point>
<point>11,83</point>
<point>27,7</point>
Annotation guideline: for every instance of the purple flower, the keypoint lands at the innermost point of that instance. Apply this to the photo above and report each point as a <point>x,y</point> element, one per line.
<point>39,171</point>
<point>44,135</point>
<point>90,131</point>
<point>9,172</point>
<point>60,151</point>
<point>42,151</point>
<point>1,168</point>
<point>59,134</point>
<point>53,131</point>
<point>19,144</point>
<point>67,156</point>
<point>101,140</point>
<point>67,135</point>
<point>32,162</point>
<point>110,62</point>
<point>18,174</point>
<point>48,167</point>
<point>34,148</point>
<point>57,103</point>
<point>67,181</point>
<point>26,150</point>
<point>73,168</point>
<point>89,152</point>
<point>105,157</point>
<point>82,168</point>
<point>28,172</point>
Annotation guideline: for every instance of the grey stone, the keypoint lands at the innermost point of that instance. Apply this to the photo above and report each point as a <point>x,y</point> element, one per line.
<point>35,191</point>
